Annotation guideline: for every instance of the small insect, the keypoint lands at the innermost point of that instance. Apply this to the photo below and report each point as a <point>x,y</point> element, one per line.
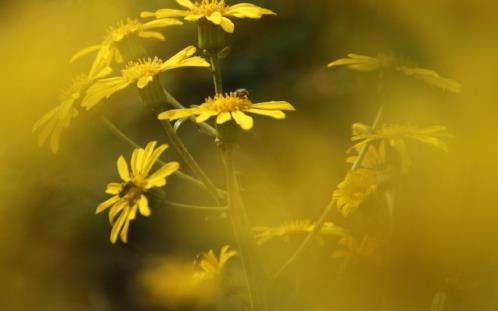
<point>242,93</point>
<point>125,187</point>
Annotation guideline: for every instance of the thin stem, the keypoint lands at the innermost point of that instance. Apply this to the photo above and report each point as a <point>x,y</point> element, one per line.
<point>195,207</point>
<point>330,207</point>
<point>185,177</point>
<point>216,72</point>
<point>204,127</point>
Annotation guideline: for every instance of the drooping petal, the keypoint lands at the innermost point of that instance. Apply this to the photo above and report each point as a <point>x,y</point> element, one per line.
<point>162,22</point>
<point>175,114</point>
<point>274,105</point>
<point>193,17</point>
<point>115,210</point>
<point>104,205</point>
<point>152,35</point>
<point>143,206</point>
<point>277,114</point>
<point>116,229</point>
<point>101,89</point>
<point>124,231</point>
<point>144,81</point>
<point>246,122</point>
<point>123,171</point>
<point>223,117</point>
<point>215,18</point>
<point>84,52</point>
<point>227,25</point>
<point>205,115</point>
<point>247,10</point>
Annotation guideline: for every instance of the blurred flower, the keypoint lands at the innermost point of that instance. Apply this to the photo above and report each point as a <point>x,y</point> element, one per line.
<point>129,196</point>
<point>215,11</point>
<point>210,266</point>
<point>374,159</point>
<point>169,283</point>
<point>355,190</point>
<point>141,72</point>
<point>264,234</point>
<point>368,63</point>
<point>228,106</point>
<point>108,51</point>
<point>431,77</point>
<point>395,135</point>
<point>367,250</point>
<point>362,62</point>
<point>59,118</point>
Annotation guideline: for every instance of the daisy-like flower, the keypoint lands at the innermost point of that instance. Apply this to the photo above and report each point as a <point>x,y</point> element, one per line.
<point>108,51</point>
<point>230,106</point>
<point>141,73</point>
<point>368,63</point>
<point>128,197</point>
<point>264,234</point>
<point>374,159</point>
<point>356,188</point>
<point>60,117</point>
<point>396,136</point>
<point>366,250</point>
<point>214,11</point>
<point>210,266</point>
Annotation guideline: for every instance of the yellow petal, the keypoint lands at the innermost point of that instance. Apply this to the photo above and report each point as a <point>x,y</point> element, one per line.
<point>118,226</point>
<point>113,188</point>
<point>215,18</point>
<point>176,114</point>
<point>152,35</point>
<point>84,52</point>
<point>143,206</point>
<point>193,17</point>
<point>104,205</point>
<point>227,25</point>
<point>123,171</point>
<point>247,10</point>
<point>274,105</point>
<point>144,81</point>
<point>162,173</point>
<point>223,117</point>
<point>164,13</point>
<point>205,115</point>
<point>124,232</point>
<point>246,122</point>
<point>185,3</point>
<point>115,210</point>
<point>277,114</point>
<point>161,23</point>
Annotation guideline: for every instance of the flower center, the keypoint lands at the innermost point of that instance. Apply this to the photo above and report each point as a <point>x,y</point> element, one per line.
<point>228,102</point>
<point>142,68</point>
<point>123,29</point>
<point>208,7</point>
<point>73,91</point>
<point>131,191</point>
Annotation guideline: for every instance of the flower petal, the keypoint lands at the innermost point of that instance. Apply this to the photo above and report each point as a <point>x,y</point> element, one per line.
<point>123,171</point>
<point>104,205</point>
<point>152,35</point>
<point>84,52</point>
<point>223,117</point>
<point>274,105</point>
<point>277,114</point>
<point>113,188</point>
<point>143,206</point>
<point>247,10</point>
<point>246,122</point>
<point>175,114</point>
<point>185,3</point>
<point>162,173</point>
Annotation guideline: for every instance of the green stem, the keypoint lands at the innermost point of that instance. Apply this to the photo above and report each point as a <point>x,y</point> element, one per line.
<point>216,72</point>
<point>183,176</point>
<point>196,207</point>
<point>330,207</point>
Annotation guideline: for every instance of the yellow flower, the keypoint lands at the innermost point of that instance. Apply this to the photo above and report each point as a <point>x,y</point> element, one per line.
<point>215,11</point>
<point>60,117</point>
<point>368,63</point>
<point>368,250</point>
<point>431,77</point>
<point>362,62</point>
<point>395,136</point>
<point>264,234</point>
<point>129,196</point>
<point>108,51</point>
<point>374,159</point>
<point>141,72</point>
<point>355,190</point>
<point>228,106</point>
<point>210,266</point>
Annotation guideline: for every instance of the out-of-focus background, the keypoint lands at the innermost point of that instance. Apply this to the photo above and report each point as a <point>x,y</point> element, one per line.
<point>55,253</point>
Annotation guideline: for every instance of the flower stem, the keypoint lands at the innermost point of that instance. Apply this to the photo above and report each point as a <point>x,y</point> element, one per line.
<point>183,176</point>
<point>330,207</point>
<point>238,214</point>
<point>195,207</point>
